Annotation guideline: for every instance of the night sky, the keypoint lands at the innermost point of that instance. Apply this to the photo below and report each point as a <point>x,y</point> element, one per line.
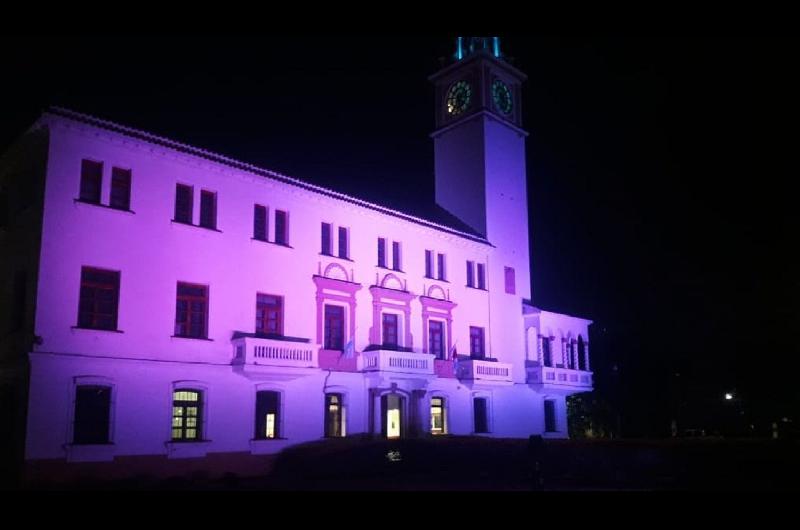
<point>650,212</point>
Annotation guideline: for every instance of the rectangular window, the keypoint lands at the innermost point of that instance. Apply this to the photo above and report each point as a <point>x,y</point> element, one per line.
<point>260,222</point>
<point>429,264</point>
<point>99,299</point>
<point>549,415</point>
<point>470,274</point>
<point>91,181</point>
<point>92,415</point>
<point>442,273</point>
<point>281,228</point>
<point>547,352</point>
<point>327,245</point>
<point>334,327</point>
<point>511,286</point>
<point>187,415</point>
<point>481,276</point>
<point>437,416</point>
<point>396,255</point>
<point>476,344</point>
<point>191,315</point>
<point>120,188</point>
<point>436,338</point>
<point>268,406</point>
<point>381,252</point>
<point>183,203</point>
<point>208,209</point>
<point>269,314</point>
<point>343,249</point>
<point>390,330</point>
<point>334,416</point>
<point>481,416</point>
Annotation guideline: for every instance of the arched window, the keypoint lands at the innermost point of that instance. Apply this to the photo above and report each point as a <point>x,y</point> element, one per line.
<point>581,353</point>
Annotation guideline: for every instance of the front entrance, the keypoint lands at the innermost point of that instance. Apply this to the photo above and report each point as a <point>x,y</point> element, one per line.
<point>392,415</point>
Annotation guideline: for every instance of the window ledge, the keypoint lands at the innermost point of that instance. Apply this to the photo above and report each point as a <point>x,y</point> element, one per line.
<point>436,279</point>
<point>90,452</point>
<point>191,338</point>
<point>284,245</point>
<point>390,269</point>
<point>181,223</point>
<point>180,449</point>
<point>81,328</point>
<point>105,206</point>
<point>337,257</point>
<point>477,288</point>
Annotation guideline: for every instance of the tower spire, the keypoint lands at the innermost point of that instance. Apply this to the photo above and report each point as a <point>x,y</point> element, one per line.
<point>466,46</point>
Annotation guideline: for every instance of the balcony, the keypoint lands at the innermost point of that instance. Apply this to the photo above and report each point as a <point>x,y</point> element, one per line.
<point>485,371</point>
<point>252,350</point>
<point>397,361</point>
<point>575,380</point>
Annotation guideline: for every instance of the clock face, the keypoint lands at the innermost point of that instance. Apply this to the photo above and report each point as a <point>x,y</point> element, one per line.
<point>502,97</point>
<point>458,97</point>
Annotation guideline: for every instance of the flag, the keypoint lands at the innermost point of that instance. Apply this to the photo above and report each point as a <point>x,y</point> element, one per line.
<point>349,349</point>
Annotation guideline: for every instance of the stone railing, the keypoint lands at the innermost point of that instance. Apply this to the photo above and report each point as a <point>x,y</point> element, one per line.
<point>273,352</point>
<point>548,375</point>
<point>486,371</point>
<point>397,361</point>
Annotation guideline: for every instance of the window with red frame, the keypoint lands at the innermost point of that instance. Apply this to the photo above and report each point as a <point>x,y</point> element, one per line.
<point>269,314</point>
<point>191,315</point>
<point>99,299</point>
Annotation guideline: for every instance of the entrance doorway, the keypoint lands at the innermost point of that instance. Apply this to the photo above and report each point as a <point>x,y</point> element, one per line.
<point>392,415</point>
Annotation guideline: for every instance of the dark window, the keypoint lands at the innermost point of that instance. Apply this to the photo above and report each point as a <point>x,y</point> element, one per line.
<point>208,209</point>
<point>381,252</point>
<point>546,352</point>
<point>437,416</point>
<point>571,355</point>
<point>442,275</point>
<point>91,180</point>
<point>476,345</point>
<point>334,327</point>
<point>92,414</point>
<point>121,188</point>
<point>581,353</point>
<point>327,247</point>
<point>269,314</point>
<point>390,330</point>
<point>99,299</point>
<point>481,416</point>
<point>395,255</point>
<point>481,276</point>
<point>511,287</point>
<point>187,415</point>
<point>334,416</point>
<point>20,296</point>
<point>191,315</point>
<point>268,410</point>
<point>260,222</point>
<point>550,415</point>
<point>343,253</point>
<point>470,274</point>
<point>436,338</point>
<point>429,264</point>
<point>183,203</point>
<point>281,233</point>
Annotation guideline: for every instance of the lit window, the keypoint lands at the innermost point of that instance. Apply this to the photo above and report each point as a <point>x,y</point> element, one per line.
<point>438,425</point>
<point>187,418</point>
<point>268,404</point>
<point>334,416</point>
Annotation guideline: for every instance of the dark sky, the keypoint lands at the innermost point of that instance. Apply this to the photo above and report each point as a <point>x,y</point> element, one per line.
<point>650,211</point>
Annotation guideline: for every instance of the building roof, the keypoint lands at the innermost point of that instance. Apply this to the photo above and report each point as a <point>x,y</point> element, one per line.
<point>425,213</point>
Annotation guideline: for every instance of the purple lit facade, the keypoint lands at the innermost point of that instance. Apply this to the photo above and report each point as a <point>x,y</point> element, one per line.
<point>192,307</point>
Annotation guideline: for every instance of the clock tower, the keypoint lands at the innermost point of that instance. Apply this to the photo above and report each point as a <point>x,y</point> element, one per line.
<point>479,155</point>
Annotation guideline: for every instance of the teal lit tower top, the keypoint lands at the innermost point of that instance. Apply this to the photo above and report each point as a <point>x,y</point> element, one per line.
<point>466,46</point>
